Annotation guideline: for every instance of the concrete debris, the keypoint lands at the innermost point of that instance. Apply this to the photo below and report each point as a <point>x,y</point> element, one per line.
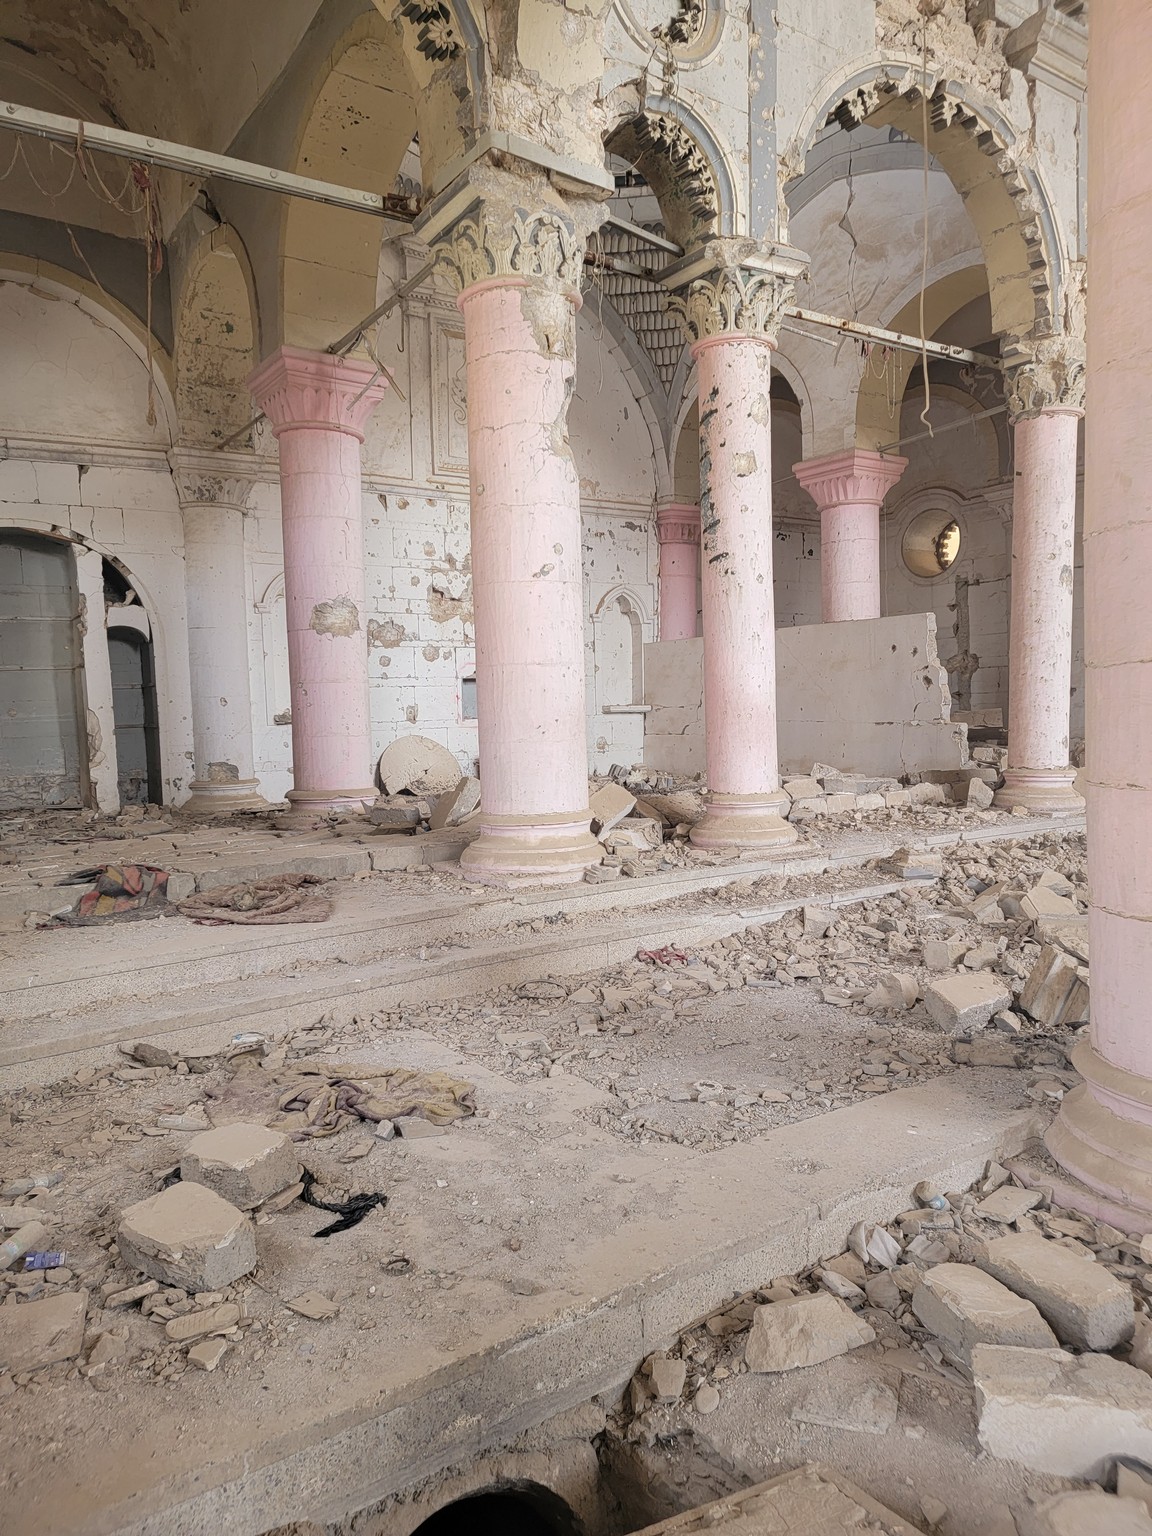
<point>416,764</point>
<point>964,1307</point>
<point>894,991</point>
<point>978,795</point>
<point>1085,1304</point>
<point>609,806</point>
<point>188,1236</point>
<point>452,808</point>
<point>869,1408</point>
<point>914,864</point>
<point>1056,991</point>
<point>943,954</point>
<point>125,1298</point>
<point>966,1001</point>
<point>787,1335</point>
<point>39,1333</point>
<point>1042,902</point>
<point>244,1164</point>
<point>707,1399</point>
<point>1060,1413</point>
<point>873,1244</point>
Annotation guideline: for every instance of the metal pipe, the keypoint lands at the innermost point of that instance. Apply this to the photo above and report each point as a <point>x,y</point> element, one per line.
<point>193,162</point>
<point>646,235</point>
<point>953,426</point>
<point>350,338</point>
<point>889,338</point>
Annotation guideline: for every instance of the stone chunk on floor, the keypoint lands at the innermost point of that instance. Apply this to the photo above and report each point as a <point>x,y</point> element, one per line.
<point>868,1408</point>
<point>965,1001</point>
<point>964,1307</point>
<point>1061,1413</point>
<point>244,1164</point>
<point>1056,992</point>
<point>39,1333</point>
<point>787,1335</point>
<point>187,1236</point>
<point>1087,1512</point>
<point>811,1501</point>
<point>608,806</point>
<point>1085,1304</point>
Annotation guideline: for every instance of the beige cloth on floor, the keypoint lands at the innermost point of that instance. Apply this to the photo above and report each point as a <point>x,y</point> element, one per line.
<point>321,1098</point>
<point>275,899</point>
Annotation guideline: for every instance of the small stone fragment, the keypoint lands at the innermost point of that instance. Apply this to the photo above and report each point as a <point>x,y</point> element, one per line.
<point>608,806</point>
<point>707,1399</point>
<point>413,1128</point>
<point>133,1293</point>
<point>207,1355</point>
<point>194,1325</point>
<point>786,1335</point>
<point>1008,1204</point>
<point>942,954</point>
<point>312,1304</point>
<point>894,991</point>
<point>667,1377</point>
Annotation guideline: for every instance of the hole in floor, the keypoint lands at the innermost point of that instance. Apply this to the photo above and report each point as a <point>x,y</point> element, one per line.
<point>522,1510</point>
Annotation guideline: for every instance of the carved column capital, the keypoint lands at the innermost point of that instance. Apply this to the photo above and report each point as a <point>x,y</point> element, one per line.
<point>734,287</point>
<point>299,388</point>
<point>856,476</point>
<point>496,239</point>
<point>204,478</point>
<point>1043,374</point>
<point>678,523</point>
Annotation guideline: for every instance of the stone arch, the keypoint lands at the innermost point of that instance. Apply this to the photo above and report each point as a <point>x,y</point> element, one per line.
<point>979,150</point>
<point>217,342</point>
<point>681,159</point>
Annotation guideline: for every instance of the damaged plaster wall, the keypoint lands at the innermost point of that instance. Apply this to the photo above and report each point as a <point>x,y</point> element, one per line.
<point>868,695</point>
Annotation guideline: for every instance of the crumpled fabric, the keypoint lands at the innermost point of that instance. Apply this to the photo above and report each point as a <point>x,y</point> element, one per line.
<point>320,1098</point>
<point>121,893</point>
<point>276,899</point>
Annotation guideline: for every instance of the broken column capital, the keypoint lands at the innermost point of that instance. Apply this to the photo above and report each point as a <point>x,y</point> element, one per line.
<point>206,478</point>
<point>734,287</point>
<point>296,387</point>
<point>1043,374</point>
<point>498,224</point>
<point>678,523</point>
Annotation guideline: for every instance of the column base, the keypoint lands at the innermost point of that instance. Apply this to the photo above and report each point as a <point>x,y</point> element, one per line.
<point>1043,791</point>
<point>531,850</point>
<point>744,821</point>
<point>323,802</point>
<point>1103,1136</point>
<point>219,797</point>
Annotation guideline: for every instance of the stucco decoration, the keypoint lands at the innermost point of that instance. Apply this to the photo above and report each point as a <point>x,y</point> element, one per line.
<point>436,35</point>
<point>1046,374</point>
<point>685,25</point>
<point>677,170</point>
<point>498,242</point>
<point>734,300</point>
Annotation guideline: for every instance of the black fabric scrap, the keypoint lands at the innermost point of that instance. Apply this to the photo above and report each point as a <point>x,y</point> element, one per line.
<point>351,1212</point>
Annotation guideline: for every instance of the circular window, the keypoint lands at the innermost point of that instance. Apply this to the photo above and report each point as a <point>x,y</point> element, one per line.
<point>931,543</point>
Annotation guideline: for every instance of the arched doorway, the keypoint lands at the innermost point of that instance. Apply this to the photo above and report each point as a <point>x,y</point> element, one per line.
<point>521,1509</point>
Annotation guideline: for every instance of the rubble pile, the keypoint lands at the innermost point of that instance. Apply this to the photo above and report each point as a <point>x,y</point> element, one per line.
<point>1036,1321</point>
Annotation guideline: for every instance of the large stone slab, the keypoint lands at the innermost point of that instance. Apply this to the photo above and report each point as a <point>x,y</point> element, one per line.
<point>36,1333</point>
<point>1088,1307</point>
<point>812,1501</point>
<point>1086,1512</point>
<point>964,1307</point>
<point>786,1335</point>
<point>965,1001</point>
<point>1061,1413</point>
<point>188,1236</point>
<point>244,1164</point>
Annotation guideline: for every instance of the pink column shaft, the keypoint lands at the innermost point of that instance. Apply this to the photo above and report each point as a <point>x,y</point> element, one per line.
<point>1104,1131</point>
<point>849,488</point>
<point>317,404</point>
<point>678,532</point>
<point>526,585</point>
<point>1040,635</point>
<point>734,374</point>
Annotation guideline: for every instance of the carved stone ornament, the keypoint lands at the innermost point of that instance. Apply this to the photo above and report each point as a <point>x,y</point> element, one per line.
<point>1044,374</point>
<point>734,300</point>
<point>202,480</point>
<point>496,241</point>
<point>685,26</point>
<point>435,27</point>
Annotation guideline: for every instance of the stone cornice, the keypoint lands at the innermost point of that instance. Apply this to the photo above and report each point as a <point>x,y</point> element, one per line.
<point>298,388</point>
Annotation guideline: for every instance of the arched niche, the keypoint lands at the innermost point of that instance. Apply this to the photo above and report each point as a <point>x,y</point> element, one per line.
<point>216,343</point>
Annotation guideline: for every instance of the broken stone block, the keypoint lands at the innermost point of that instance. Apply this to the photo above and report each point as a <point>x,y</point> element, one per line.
<point>870,802</point>
<point>195,1325</point>
<point>666,1377</point>
<point>1055,993</point>
<point>1061,1413</point>
<point>1069,934</point>
<point>964,1307</point>
<point>814,1500</point>
<point>1008,1203</point>
<point>38,1333</point>
<point>927,794</point>
<point>1043,901</point>
<point>883,1292</point>
<point>609,806</point>
<point>897,799</point>
<point>866,1408</point>
<point>966,1001</point>
<point>597,874</point>
<point>416,764</point>
<point>1086,1512</point>
<point>839,803</point>
<point>817,921</point>
<point>803,789</point>
<point>244,1164</point>
<point>804,810</point>
<point>978,796</point>
<point>187,1236</point>
<point>786,1335</point>
<point>451,809</point>
<point>208,1355</point>
<point>943,954</point>
<point>894,990</point>
<point>982,957</point>
<point>1085,1304</point>
<point>912,864</point>
<point>683,806</point>
<point>312,1304</point>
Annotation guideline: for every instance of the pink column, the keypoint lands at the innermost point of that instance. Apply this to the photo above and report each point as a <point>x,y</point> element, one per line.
<point>518,274</point>
<point>849,488</point>
<point>1103,1134</point>
<point>678,534</point>
<point>318,406</point>
<point>1040,630</point>
<point>735,318</point>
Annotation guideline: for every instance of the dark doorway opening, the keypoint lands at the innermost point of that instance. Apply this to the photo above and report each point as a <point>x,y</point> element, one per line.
<point>134,710</point>
<point>520,1510</point>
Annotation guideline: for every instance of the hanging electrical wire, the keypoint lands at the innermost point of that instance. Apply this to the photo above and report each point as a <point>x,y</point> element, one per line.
<point>924,253</point>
